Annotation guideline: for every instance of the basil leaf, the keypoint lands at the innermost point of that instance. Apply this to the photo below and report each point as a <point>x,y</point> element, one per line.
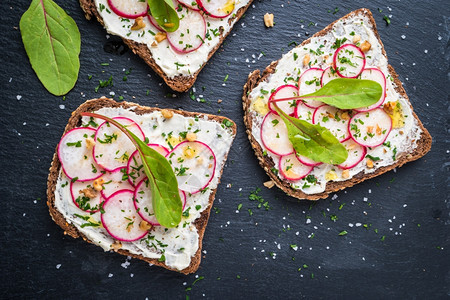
<point>52,42</point>
<point>165,14</point>
<point>348,93</point>
<point>166,199</point>
<point>313,141</point>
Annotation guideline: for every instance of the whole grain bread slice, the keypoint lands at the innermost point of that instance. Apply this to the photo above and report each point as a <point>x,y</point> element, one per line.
<point>255,77</point>
<point>178,83</point>
<point>75,121</point>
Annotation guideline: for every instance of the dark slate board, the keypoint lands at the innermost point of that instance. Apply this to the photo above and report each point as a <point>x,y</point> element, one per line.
<point>245,256</point>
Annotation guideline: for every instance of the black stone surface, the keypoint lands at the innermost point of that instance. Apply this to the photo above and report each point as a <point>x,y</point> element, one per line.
<point>245,256</point>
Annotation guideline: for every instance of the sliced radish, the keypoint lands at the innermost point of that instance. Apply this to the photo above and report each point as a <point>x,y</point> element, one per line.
<point>292,169</point>
<point>308,83</point>
<point>217,8</point>
<point>284,91</point>
<point>114,181</point>
<point>144,205</point>
<point>194,164</point>
<point>274,135</point>
<point>112,147</point>
<point>307,161</point>
<point>120,217</point>
<point>191,4</point>
<point>135,168</point>
<point>129,9</point>
<point>356,153</point>
<point>75,155</point>
<point>333,119</point>
<point>377,76</point>
<point>349,61</point>
<point>80,192</point>
<point>370,128</point>
<point>154,23</point>
<point>328,75</point>
<point>191,33</point>
<point>304,112</point>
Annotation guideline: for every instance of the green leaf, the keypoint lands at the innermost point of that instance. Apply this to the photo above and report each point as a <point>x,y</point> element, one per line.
<point>313,141</point>
<point>166,199</point>
<point>348,93</point>
<point>52,42</point>
<point>165,14</point>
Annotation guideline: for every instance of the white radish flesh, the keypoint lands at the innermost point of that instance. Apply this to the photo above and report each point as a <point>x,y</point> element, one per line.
<point>144,204</point>
<point>75,155</point>
<point>333,119</point>
<point>191,32</point>
<point>114,181</point>
<point>356,153</point>
<point>130,9</point>
<point>304,112</point>
<point>292,169</point>
<point>328,75</point>
<point>349,61</point>
<point>120,217</point>
<point>135,168</point>
<point>308,83</point>
<point>282,92</point>
<point>217,8</point>
<point>194,164</point>
<point>112,147</point>
<point>82,193</point>
<point>274,135</point>
<point>377,76</point>
<point>191,4</point>
<point>370,128</point>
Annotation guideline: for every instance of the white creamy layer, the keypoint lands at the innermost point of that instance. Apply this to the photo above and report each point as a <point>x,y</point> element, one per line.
<point>185,236</point>
<point>403,140</point>
<point>171,62</point>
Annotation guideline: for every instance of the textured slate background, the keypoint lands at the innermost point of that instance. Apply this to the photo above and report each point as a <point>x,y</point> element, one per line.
<point>246,256</point>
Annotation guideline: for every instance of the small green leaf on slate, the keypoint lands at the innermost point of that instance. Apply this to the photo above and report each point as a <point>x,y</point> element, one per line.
<point>52,42</point>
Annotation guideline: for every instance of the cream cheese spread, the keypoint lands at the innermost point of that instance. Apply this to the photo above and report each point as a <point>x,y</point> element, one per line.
<point>179,244</point>
<point>171,62</point>
<point>290,67</point>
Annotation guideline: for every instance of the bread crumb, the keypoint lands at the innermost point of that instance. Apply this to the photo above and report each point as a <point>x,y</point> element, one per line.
<point>138,23</point>
<point>160,36</point>
<point>219,101</point>
<point>268,20</point>
<point>365,46</point>
<point>269,184</point>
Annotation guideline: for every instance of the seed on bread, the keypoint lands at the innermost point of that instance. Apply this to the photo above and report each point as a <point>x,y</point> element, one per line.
<point>306,59</point>
<point>190,136</point>
<point>89,192</point>
<point>269,184</point>
<point>365,46</point>
<point>356,39</point>
<point>268,20</point>
<point>167,114</point>
<point>138,23</point>
<point>98,184</point>
<point>160,36</point>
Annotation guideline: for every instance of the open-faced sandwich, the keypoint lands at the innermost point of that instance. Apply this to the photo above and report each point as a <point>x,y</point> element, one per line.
<point>138,180</point>
<point>332,112</point>
<point>175,40</point>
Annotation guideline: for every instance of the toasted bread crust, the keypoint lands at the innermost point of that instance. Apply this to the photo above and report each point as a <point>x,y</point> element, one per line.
<point>254,78</point>
<point>69,229</point>
<point>178,83</point>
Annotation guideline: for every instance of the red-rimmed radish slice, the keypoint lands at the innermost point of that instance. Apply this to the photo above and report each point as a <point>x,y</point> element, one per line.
<point>217,8</point>
<point>284,91</point>
<point>308,83</point>
<point>85,197</point>
<point>274,135</point>
<point>370,128</point>
<point>154,23</point>
<point>307,161</point>
<point>143,202</point>
<point>75,155</point>
<point>135,168</point>
<point>333,119</point>
<point>328,75</point>
<point>349,61</point>
<point>292,169</point>
<point>129,9</point>
<point>194,164</point>
<point>120,217</point>
<point>191,4</point>
<point>356,153</point>
<point>191,32</point>
<point>112,147</point>
<point>304,112</point>
<point>377,76</point>
<point>114,181</point>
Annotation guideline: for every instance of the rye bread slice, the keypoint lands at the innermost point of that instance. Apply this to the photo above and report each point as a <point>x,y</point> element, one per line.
<point>75,121</point>
<point>178,83</point>
<point>255,77</point>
